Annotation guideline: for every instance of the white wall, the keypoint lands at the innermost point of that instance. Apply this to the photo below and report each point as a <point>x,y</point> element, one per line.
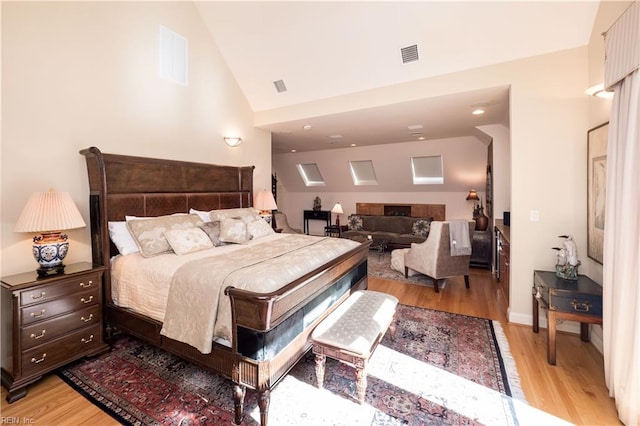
<point>548,150</point>
<point>79,74</point>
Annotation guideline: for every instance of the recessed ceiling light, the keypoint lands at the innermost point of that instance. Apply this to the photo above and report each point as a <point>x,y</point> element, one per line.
<point>293,150</point>
<point>307,127</point>
<point>353,144</point>
<point>421,138</point>
<point>478,111</point>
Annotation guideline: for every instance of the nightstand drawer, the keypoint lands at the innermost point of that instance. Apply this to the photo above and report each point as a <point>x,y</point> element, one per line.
<point>62,351</point>
<point>48,292</point>
<point>42,311</point>
<point>46,331</point>
<point>579,304</point>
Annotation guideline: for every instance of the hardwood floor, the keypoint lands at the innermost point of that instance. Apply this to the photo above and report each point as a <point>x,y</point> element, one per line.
<point>573,390</point>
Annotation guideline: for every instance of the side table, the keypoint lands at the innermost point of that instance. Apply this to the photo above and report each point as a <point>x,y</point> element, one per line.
<point>575,300</point>
<point>315,215</point>
<point>48,322</point>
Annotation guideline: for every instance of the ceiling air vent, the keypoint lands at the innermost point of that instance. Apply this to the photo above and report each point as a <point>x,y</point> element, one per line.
<point>280,87</point>
<point>409,54</point>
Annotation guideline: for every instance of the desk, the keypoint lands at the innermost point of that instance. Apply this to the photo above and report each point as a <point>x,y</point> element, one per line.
<point>316,215</point>
<point>579,300</point>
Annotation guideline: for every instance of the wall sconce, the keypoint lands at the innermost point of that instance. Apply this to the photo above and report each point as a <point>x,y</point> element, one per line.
<point>49,213</point>
<point>232,141</point>
<point>599,91</point>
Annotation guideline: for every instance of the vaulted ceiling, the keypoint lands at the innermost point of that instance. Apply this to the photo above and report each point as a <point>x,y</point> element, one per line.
<point>323,49</point>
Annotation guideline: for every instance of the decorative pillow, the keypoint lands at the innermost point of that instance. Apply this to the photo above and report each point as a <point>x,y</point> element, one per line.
<point>354,223</point>
<point>421,227</point>
<point>234,230</point>
<point>247,214</point>
<point>122,238</point>
<point>149,233</point>
<point>259,228</point>
<point>212,229</point>
<point>184,241</point>
<point>204,216</point>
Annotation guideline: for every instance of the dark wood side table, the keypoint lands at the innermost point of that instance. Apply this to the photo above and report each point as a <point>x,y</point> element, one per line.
<point>316,215</point>
<point>49,322</point>
<point>579,300</point>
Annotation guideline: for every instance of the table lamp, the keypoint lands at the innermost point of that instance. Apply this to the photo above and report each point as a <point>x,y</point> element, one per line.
<point>265,203</point>
<point>49,213</point>
<point>337,209</point>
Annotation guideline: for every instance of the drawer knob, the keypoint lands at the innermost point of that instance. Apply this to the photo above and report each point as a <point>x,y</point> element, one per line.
<point>42,294</point>
<point>89,340</point>
<point>36,315</point>
<point>87,319</point>
<point>38,336</point>
<point>89,284</point>
<point>38,361</point>
<point>89,300</point>
<point>581,306</point>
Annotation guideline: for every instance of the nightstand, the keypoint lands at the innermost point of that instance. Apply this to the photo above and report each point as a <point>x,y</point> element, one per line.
<point>48,322</point>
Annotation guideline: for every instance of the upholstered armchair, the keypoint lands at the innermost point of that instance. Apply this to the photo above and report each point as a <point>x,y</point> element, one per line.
<point>435,259</point>
<point>281,223</point>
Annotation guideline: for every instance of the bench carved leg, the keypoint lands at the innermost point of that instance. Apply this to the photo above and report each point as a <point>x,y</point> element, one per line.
<point>238,402</point>
<point>466,281</point>
<point>361,381</point>
<point>264,398</point>
<point>320,363</point>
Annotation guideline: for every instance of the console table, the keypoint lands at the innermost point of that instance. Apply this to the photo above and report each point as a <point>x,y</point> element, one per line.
<point>575,300</point>
<point>316,215</point>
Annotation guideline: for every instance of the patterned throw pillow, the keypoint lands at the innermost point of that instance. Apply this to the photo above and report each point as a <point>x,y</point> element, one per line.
<point>354,222</point>
<point>259,228</point>
<point>184,241</point>
<point>234,230</point>
<point>212,229</point>
<point>149,233</point>
<point>247,214</point>
<point>421,227</point>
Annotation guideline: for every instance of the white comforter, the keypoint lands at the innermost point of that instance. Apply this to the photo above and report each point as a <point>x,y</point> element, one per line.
<point>194,309</point>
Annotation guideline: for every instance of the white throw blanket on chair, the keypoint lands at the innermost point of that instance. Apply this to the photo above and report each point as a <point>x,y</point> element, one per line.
<point>459,236</point>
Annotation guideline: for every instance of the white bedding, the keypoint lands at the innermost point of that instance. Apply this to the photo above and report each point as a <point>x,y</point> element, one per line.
<point>143,284</point>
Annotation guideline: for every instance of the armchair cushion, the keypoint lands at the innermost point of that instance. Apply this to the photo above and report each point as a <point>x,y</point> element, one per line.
<point>433,257</point>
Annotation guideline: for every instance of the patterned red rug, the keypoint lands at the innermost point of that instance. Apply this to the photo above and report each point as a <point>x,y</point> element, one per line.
<point>441,368</point>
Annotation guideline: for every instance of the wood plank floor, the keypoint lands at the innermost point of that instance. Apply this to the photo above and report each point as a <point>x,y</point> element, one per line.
<point>573,390</point>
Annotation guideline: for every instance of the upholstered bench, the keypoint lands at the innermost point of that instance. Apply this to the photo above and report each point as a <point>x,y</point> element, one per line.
<point>351,333</point>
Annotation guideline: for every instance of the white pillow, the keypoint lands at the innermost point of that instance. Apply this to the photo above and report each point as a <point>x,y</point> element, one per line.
<point>205,216</point>
<point>234,230</point>
<point>259,228</point>
<point>184,241</point>
<point>121,237</point>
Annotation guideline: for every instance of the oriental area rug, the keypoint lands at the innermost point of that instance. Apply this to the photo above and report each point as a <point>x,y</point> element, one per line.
<point>439,369</point>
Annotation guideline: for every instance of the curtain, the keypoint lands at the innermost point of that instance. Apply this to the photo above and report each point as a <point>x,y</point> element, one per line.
<point>621,266</point>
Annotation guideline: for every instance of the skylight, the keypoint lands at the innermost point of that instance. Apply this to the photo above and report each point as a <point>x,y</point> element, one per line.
<point>363,173</point>
<point>427,170</point>
<point>310,174</point>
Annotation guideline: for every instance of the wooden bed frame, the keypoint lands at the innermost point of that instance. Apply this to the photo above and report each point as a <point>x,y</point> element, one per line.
<point>270,330</point>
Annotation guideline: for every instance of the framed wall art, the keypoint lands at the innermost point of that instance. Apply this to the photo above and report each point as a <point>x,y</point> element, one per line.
<point>596,189</point>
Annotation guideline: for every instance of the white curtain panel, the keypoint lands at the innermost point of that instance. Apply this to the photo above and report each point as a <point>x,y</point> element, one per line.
<point>621,266</point>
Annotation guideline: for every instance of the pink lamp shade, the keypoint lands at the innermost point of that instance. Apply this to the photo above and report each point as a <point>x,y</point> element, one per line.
<point>265,202</point>
<point>49,213</point>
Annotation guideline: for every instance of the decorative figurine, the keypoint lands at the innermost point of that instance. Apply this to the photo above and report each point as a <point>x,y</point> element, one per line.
<point>567,259</point>
<point>317,204</point>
